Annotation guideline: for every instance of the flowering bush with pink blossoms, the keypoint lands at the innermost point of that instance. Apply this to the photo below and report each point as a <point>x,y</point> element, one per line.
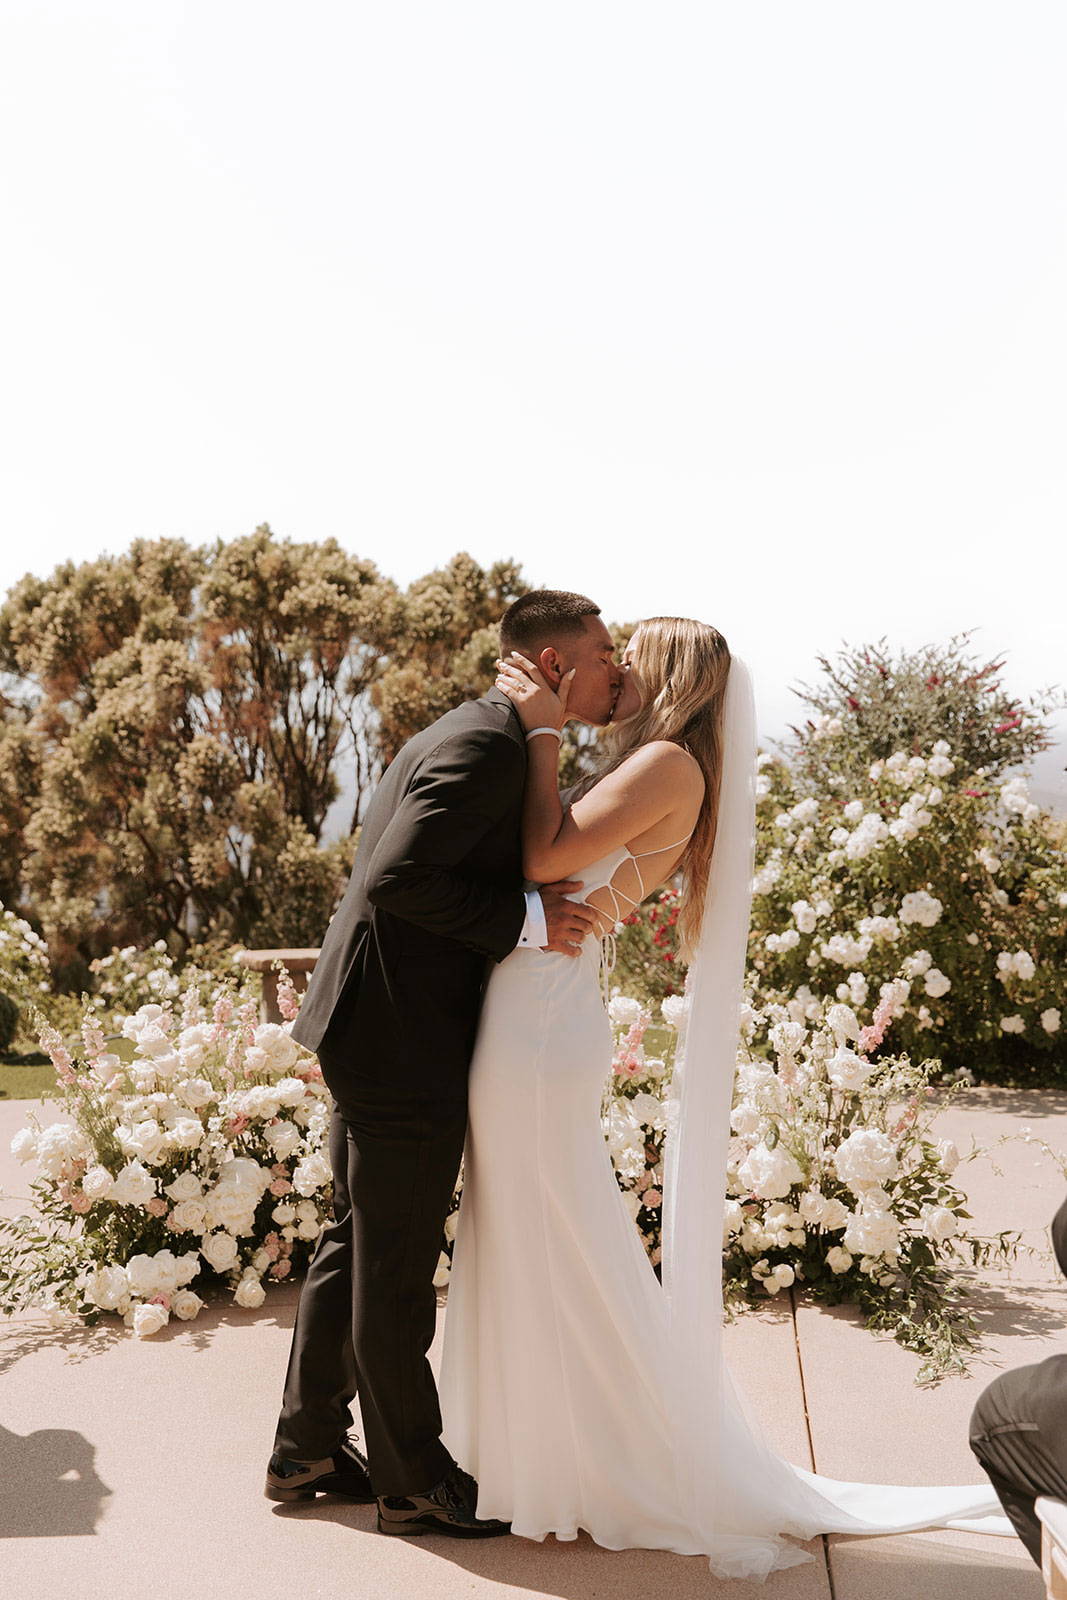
<point>191,1153</point>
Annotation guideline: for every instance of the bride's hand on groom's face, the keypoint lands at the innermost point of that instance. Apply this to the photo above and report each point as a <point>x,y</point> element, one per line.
<point>538,704</point>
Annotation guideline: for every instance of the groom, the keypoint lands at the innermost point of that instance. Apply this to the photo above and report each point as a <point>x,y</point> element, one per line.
<point>392,1011</point>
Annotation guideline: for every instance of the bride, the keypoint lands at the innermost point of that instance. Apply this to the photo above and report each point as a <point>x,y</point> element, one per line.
<point>579,1390</point>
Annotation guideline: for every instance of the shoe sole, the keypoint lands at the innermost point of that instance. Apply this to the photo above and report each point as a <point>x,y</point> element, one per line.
<point>309,1491</point>
<point>417,1530</point>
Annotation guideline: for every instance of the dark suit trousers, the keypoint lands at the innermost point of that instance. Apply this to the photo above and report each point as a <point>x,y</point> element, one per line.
<point>1018,1432</point>
<point>368,1306</point>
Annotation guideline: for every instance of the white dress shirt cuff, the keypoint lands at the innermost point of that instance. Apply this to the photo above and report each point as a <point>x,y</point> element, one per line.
<point>534,935</point>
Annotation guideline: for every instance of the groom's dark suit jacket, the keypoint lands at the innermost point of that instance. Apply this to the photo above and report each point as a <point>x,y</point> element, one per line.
<point>435,890</point>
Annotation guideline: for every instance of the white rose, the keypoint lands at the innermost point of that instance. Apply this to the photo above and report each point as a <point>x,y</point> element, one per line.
<point>624,1011</point>
<point>168,1271</point>
<point>145,1141</point>
<point>847,1070</point>
<point>143,1276</point>
<point>838,1259</point>
<point>872,1232</point>
<point>842,1022</point>
<point>133,1186</point>
<point>188,1216</point>
<point>186,1133</point>
<point>242,1173</point>
<point>938,1223</point>
<point>1013,1024</point>
<point>745,1119</point>
<point>1050,1020</point>
<point>98,1183</point>
<point>673,1009</point>
<point>24,1145</point>
<point>186,1186</point>
<point>108,1287</point>
<point>58,1145</point>
<point>769,1173</point>
<point>732,1218</point>
<point>195,1093</point>
<point>261,1102</point>
<point>947,1155</point>
<point>311,1173</point>
<point>188,1266</point>
<point>284,1138</point>
<point>185,1304</point>
<point>249,1292</point>
<point>441,1276</point>
<point>648,1109</point>
<point>281,1052</point>
<point>937,984</point>
<point>149,1319</point>
<point>220,1250</point>
<point>232,1209</point>
<point>866,1156</point>
<point>290,1091</point>
<point>283,1212</point>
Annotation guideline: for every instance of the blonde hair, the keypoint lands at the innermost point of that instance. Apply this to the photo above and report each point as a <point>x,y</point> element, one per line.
<point>684,666</point>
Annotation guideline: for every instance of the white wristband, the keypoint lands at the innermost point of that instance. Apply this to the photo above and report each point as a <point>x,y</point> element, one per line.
<point>557,733</point>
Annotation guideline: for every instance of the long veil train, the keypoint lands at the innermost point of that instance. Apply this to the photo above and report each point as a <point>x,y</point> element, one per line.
<point>739,1496</point>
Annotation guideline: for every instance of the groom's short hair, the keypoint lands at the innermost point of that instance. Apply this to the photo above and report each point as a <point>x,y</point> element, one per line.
<point>541,617</point>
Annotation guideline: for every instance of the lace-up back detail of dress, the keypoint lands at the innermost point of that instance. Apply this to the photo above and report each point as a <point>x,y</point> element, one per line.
<point>618,882</point>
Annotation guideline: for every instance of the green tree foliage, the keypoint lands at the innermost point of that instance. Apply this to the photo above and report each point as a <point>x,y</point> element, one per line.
<point>448,622</point>
<point>174,722</point>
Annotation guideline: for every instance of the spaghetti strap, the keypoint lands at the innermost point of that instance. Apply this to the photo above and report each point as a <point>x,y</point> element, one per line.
<point>658,851</point>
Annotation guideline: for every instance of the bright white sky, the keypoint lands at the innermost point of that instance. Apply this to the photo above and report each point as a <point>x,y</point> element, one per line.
<point>754,312</point>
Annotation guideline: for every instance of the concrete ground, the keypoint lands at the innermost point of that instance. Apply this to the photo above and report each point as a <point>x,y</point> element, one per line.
<point>131,1467</point>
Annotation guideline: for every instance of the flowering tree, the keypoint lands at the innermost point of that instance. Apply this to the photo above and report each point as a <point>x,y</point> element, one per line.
<point>175,723</point>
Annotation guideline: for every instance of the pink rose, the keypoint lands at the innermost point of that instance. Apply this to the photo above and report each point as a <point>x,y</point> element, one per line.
<point>281,1186</point>
<point>80,1203</point>
<point>280,1269</point>
<point>160,1300</point>
<point>653,1198</point>
<point>272,1245</point>
<point>157,1206</point>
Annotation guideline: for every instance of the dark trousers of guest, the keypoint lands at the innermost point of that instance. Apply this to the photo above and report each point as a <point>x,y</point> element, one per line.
<point>1018,1432</point>
<point>368,1306</point>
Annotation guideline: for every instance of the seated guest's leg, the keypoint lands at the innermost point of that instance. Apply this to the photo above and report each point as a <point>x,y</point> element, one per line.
<point>1018,1432</point>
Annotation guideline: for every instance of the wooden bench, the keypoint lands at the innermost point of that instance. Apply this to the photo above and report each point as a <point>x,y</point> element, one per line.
<point>1053,1515</point>
<point>299,964</point>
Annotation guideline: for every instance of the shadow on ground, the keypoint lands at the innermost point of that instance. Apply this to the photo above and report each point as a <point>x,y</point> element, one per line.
<point>573,1569</point>
<point>51,1487</point>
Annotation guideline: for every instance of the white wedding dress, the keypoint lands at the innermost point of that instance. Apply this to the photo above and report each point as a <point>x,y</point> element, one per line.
<point>568,1388</point>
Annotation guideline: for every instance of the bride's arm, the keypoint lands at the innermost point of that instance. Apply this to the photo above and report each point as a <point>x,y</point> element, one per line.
<point>655,782</point>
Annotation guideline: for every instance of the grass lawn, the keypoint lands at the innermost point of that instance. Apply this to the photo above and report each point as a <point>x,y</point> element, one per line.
<point>25,1077</point>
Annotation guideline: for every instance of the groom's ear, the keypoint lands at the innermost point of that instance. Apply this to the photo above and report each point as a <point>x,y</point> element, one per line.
<point>549,662</point>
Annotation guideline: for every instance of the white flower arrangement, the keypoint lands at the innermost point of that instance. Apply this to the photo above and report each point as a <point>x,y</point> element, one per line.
<point>194,1151</point>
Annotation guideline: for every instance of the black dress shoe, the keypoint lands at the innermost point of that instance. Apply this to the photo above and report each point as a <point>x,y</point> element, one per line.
<point>448,1508</point>
<point>344,1473</point>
